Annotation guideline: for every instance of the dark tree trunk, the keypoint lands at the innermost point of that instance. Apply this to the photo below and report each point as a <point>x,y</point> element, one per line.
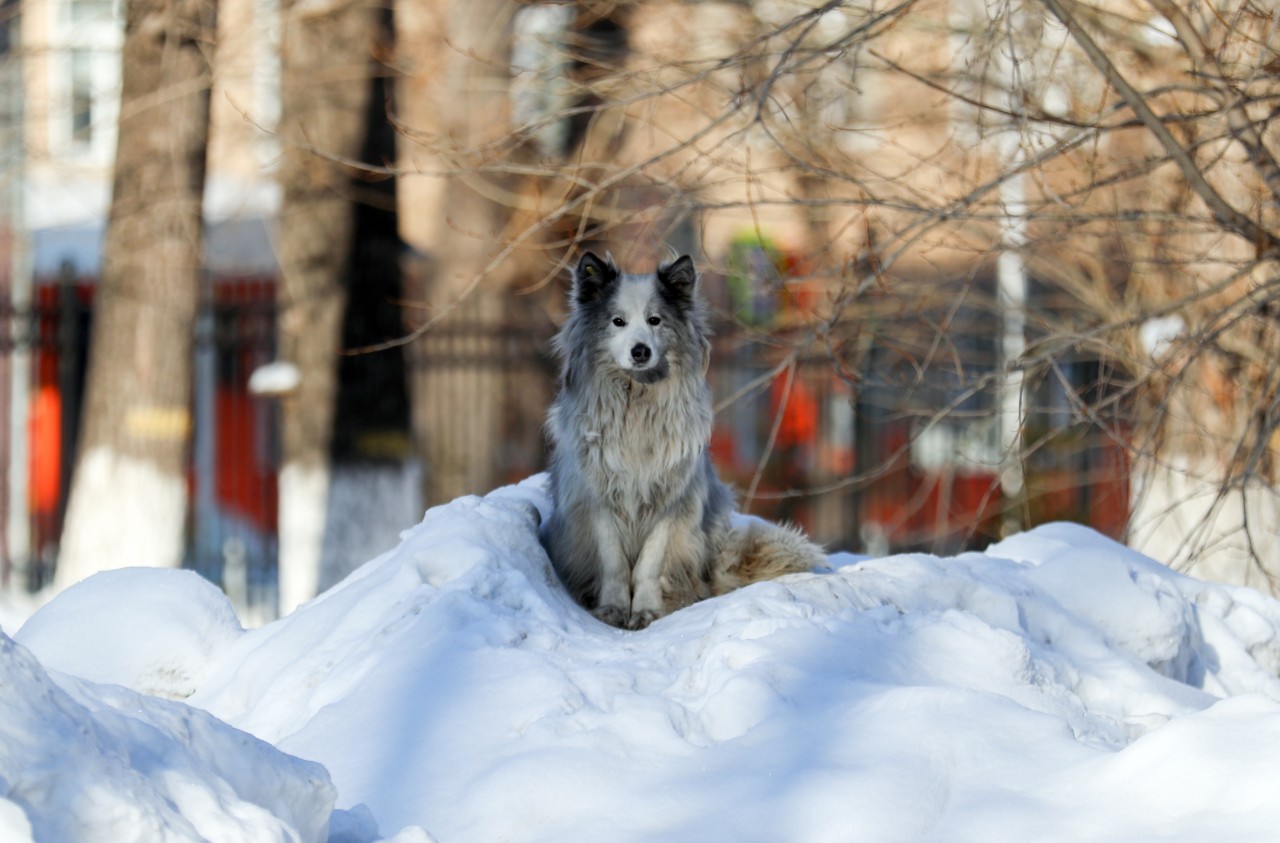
<point>457,414</point>
<point>327,59</point>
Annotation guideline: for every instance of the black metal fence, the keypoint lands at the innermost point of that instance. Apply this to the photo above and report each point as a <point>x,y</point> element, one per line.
<point>44,346</point>
<point>861,460</point>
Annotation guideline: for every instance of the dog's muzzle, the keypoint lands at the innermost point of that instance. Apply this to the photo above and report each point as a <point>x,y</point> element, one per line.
<point>645,366</point>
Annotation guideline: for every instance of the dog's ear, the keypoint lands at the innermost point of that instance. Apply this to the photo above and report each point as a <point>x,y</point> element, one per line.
<point>679,279</point>
<point>592,277</point>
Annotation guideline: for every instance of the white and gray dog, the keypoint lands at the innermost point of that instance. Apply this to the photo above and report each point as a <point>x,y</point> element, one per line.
<point>641,525</point>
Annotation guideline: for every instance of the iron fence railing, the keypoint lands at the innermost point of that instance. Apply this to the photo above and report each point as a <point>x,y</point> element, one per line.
<point>862,461</point>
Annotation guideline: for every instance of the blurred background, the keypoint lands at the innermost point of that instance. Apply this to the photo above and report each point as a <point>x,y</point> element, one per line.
<point>275,275</point>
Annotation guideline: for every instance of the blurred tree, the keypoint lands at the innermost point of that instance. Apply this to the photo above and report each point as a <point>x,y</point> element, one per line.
<point>1095,180</point>
<point>327,68</point>
<point>1202,229</point>
<point>500,104</point>
<point>454,96</point>
<point>128,496</point>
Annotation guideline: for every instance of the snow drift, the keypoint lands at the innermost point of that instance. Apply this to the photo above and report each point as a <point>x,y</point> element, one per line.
<point>80,761</point>
<point>1056,687</point>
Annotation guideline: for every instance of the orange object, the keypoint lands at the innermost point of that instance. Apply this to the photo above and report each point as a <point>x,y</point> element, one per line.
<point>799,424</point>
<point>46,450</point>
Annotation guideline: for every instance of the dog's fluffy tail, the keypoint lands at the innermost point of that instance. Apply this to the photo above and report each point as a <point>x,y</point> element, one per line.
<point>757,550</point>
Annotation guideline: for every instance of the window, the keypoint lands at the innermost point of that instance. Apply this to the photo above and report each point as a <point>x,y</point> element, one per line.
<point>540,65</point>
<point>81,96</point>
<point>91,11</point>
<point>84,80</point>
<point>8,27</point>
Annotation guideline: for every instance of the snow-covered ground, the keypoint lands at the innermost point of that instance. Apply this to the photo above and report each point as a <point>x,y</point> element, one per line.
<point>1055,687</point>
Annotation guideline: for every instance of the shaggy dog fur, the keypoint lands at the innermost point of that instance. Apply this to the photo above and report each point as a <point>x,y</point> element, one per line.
<point>641,525</point>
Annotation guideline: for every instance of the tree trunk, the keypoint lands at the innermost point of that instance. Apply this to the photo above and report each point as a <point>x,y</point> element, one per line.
<point>324,98</point>
<point>128,496</point>
<point>464,105</point>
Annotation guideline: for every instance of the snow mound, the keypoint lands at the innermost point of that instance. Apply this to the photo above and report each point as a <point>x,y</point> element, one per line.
<point>1058,686</point>
<point>152,630</point>
<point>15,607</point>
<point>86,762</point>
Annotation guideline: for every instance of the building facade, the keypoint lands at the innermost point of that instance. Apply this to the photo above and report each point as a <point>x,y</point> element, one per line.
<point>931,236</point>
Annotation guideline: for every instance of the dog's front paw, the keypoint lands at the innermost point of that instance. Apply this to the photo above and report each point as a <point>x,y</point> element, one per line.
<point>640,620</point>
<point>612,615</point>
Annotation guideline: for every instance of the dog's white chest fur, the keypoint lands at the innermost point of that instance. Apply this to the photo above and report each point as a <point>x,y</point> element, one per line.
<point>641,439</point>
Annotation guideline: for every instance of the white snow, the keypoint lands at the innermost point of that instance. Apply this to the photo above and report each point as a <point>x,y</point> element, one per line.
<point>80,761</point>
<point>304,491</point>
<point>274,379</point>
<point>95,536</point>
<point>16,605</point>
<point>1185,514</point>
<point>1056,687</point>
<point>150,629</point>
<point>1158,334</point>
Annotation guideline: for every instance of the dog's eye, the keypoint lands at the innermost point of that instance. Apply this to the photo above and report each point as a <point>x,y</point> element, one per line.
<point>619,322</point>
<point>655,321</point>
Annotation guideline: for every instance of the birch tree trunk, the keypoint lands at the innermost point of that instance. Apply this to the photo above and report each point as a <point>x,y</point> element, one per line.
<point>128,496</point>
<point>325,73</point>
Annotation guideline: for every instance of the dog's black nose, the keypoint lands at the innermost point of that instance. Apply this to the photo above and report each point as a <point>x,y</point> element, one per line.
<point>640,353</point>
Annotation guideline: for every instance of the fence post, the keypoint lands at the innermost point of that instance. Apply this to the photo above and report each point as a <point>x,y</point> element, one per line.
<point>203,548</point>
<point>70,344</point>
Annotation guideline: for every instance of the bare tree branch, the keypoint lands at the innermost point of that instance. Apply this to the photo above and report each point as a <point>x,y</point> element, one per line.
<point>1244,129</point>
<point>1266,243</point>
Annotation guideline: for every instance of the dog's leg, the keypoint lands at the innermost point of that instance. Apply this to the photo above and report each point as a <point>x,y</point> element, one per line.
<point>646,579</point>
<point>614,600</point>
<point>684,574</point>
